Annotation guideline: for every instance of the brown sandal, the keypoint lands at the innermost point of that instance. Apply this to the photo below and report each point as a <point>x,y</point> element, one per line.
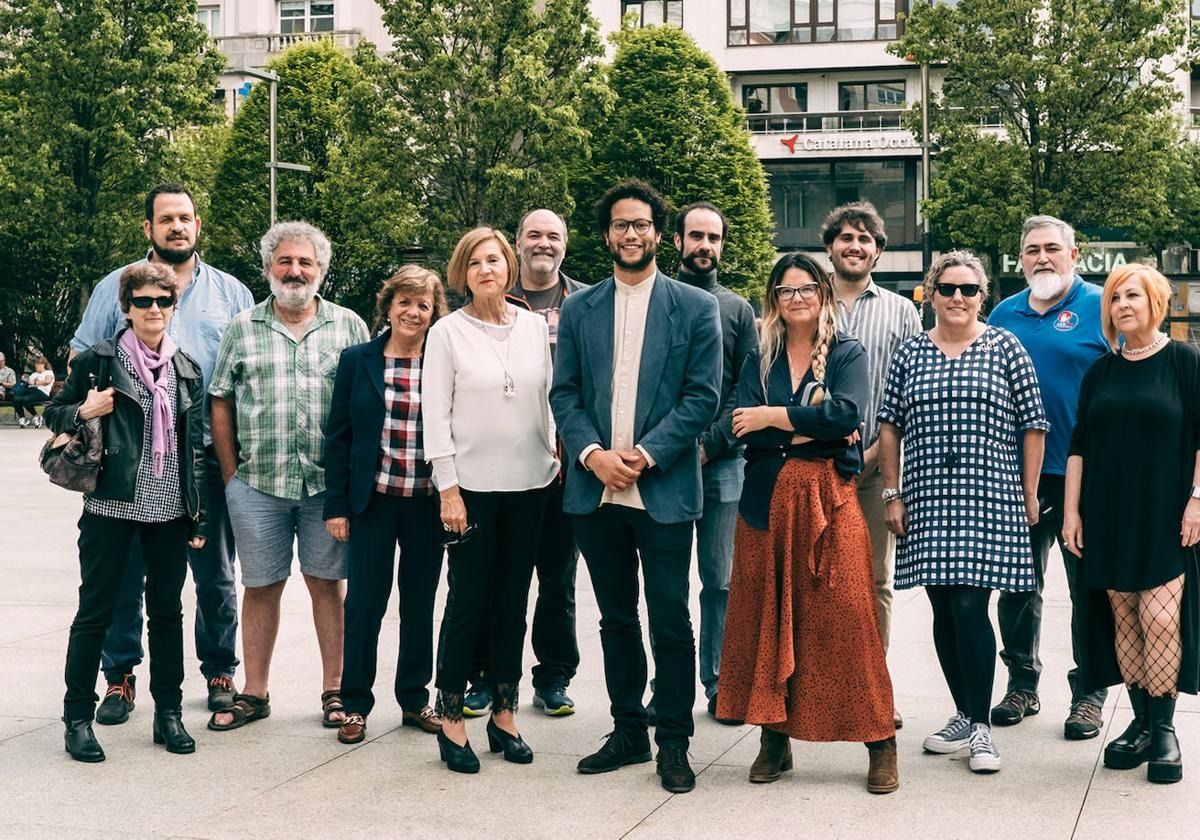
<point>245,708</point>
<point>331,704</point>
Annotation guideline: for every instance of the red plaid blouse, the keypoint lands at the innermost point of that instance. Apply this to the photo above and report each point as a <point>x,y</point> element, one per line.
<point>402,467</point>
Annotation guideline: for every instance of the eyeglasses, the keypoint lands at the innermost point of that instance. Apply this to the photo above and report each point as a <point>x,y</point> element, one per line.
<point>807,292</point>
<point>450,538</point>
<point>947,290</point>
<point>620,226</point>
<point>146,301</point>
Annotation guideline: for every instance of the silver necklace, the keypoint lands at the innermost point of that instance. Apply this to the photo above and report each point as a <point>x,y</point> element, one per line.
<point>510,387</point>
<point>1126,350</point>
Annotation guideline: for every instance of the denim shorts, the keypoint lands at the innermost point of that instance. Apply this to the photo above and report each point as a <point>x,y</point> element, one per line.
<point>266,527</point>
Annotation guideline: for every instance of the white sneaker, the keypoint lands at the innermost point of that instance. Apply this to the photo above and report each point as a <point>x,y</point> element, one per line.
<point>22,422</point>
<point>985,758</point>
<point>952,737</point>
<point>37,421</point>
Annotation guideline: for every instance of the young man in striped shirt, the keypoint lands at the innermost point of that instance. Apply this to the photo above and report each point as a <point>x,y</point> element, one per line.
<point>854,237</point>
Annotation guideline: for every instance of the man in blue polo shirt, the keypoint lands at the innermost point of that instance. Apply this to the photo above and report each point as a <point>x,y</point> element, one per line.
<point>208,300</point>
<point>1058,320</point>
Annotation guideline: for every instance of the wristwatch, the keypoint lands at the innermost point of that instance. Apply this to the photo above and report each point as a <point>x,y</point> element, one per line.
<point>1195,494</point>
<point>889,493</point>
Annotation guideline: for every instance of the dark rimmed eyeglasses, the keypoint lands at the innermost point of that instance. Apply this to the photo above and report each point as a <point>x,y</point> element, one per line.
<point>147,301</point>
<point>640,226</point>
<point>947,290</point>
<point>450,538</point>
<point>807,292</point>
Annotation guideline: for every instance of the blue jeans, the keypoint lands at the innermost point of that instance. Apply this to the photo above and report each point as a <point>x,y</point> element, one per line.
<point>714,555</point>
<point>216,598</point>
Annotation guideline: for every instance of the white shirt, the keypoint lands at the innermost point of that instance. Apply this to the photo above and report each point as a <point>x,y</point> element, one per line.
<point>630,307</point>
<point>475,435</point>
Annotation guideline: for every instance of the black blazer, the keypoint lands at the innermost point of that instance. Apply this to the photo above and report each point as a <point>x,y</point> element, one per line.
<point>354,428</point>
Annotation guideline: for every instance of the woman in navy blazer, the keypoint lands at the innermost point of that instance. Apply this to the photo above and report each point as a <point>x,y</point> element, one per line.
<point>379,493</point>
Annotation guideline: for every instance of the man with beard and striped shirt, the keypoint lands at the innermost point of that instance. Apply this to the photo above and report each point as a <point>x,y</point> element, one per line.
<point>881,320</point>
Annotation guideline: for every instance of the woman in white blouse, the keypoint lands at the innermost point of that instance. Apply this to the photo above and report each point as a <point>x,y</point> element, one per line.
<point>490,438</point>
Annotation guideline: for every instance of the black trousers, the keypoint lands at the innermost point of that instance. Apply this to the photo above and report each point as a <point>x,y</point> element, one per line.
<point>103,548</point>
<point>493,567</point>
<point>613,540</point>
<point>1020,613</point>
<point>966,646</point>
<point>555,644</point>
<point>413,523</point>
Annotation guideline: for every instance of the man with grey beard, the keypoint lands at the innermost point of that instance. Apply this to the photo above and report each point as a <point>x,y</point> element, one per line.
<point>271,393</point>
<point>1057,319</point>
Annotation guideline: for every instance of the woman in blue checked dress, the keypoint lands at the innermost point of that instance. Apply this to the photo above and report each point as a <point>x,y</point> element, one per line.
<point>380,495</point>
<point>964,400</point>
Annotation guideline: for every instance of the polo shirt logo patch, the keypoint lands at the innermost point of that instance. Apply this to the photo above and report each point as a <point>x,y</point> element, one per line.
<point>1066,321</point>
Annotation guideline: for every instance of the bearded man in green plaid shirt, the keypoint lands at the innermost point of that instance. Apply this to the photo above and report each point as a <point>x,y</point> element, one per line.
<point>271,392</point>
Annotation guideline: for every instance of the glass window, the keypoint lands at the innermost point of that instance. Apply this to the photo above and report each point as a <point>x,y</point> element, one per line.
<point>210,18</point>
<point>321,15</point>
<point>291,16</point>
<point>770,21</point>
<point>657,12</point>
<point>757,99</point>
<point>856,20</point>
<point>1196,9</point>
<point>791,99</point>
<point>802,194</point>
<point>737,12</point>
<point>299,16</point>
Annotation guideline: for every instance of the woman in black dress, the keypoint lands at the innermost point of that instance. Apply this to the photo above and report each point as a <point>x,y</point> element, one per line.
<point>1132,502</point>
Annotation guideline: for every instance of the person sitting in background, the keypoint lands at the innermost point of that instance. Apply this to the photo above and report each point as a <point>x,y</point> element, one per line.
<point>8,379</point>
<point>36,391</point>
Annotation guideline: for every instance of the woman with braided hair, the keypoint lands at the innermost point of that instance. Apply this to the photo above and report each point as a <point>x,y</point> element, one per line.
<point>802,655</point>
<point>964,399</point>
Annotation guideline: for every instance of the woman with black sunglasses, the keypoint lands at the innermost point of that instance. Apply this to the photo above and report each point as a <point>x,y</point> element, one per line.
<point>151,488</point>
<point>490,439</point>
<point>964,400</point>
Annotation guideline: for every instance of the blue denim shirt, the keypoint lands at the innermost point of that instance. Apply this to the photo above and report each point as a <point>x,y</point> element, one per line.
<point>201,316</point>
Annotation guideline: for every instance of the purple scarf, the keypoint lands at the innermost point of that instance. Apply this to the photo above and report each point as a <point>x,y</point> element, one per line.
<point>151,370</point>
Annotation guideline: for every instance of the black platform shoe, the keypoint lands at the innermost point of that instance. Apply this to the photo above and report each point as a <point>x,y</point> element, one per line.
<point>81,741</point>
<point>1132,748</point>
<point>1166,760</point>
<point>459,759</point>
<point>168,730</point>
<point>514,747</point>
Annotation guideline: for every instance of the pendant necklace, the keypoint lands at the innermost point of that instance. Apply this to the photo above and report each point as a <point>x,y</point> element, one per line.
<point>510,388</point>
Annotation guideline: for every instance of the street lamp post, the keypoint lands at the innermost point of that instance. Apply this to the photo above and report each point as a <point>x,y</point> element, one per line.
<point>926,243</point>
<point>273,165</point>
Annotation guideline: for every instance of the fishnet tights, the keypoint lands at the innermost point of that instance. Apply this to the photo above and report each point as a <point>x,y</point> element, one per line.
<point>1149,646</point>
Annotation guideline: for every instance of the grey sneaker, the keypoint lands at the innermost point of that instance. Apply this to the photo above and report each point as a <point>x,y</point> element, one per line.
<point>1015,707</point>
<point>1084,722</point>
<point>985,758</point>
<point>952,737</point>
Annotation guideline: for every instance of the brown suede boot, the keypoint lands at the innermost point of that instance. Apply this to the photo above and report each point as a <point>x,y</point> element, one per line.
<point>883,776</point>
<point>774,756</point>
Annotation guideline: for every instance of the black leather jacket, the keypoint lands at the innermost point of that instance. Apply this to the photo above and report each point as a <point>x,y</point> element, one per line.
<point>123,428</point>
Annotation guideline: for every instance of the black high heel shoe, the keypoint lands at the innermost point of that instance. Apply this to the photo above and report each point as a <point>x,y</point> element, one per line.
<point>514,746</point>
<point>81,741</point>
<point>459,759</point>
<point>168,730</point>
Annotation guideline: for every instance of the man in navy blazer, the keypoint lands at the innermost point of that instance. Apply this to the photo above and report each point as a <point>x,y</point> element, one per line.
<point>637,380</point>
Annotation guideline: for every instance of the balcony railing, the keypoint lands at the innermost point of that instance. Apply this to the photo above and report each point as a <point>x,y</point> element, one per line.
<point>274,42</point>
<point>889,120</point>
<point>835,121</point>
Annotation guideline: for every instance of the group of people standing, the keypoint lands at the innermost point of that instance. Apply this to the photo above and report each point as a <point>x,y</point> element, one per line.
<point>815,459</point>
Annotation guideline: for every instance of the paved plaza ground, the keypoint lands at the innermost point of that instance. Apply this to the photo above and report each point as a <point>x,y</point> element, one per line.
<point>287,777</point>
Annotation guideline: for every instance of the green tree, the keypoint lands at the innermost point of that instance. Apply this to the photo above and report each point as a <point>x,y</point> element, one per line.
<point>90,94</point>
<point>673,123</point>
<point>1083,95</point>
<point>494,89</point>
<point>329,116</point>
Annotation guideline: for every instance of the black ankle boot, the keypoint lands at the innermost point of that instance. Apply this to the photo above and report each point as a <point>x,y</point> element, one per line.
<point>1132,748</point>
<point>168,729</point>
<point>514,746</point>
<point>81,741</point>
<point>1166,761</point>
